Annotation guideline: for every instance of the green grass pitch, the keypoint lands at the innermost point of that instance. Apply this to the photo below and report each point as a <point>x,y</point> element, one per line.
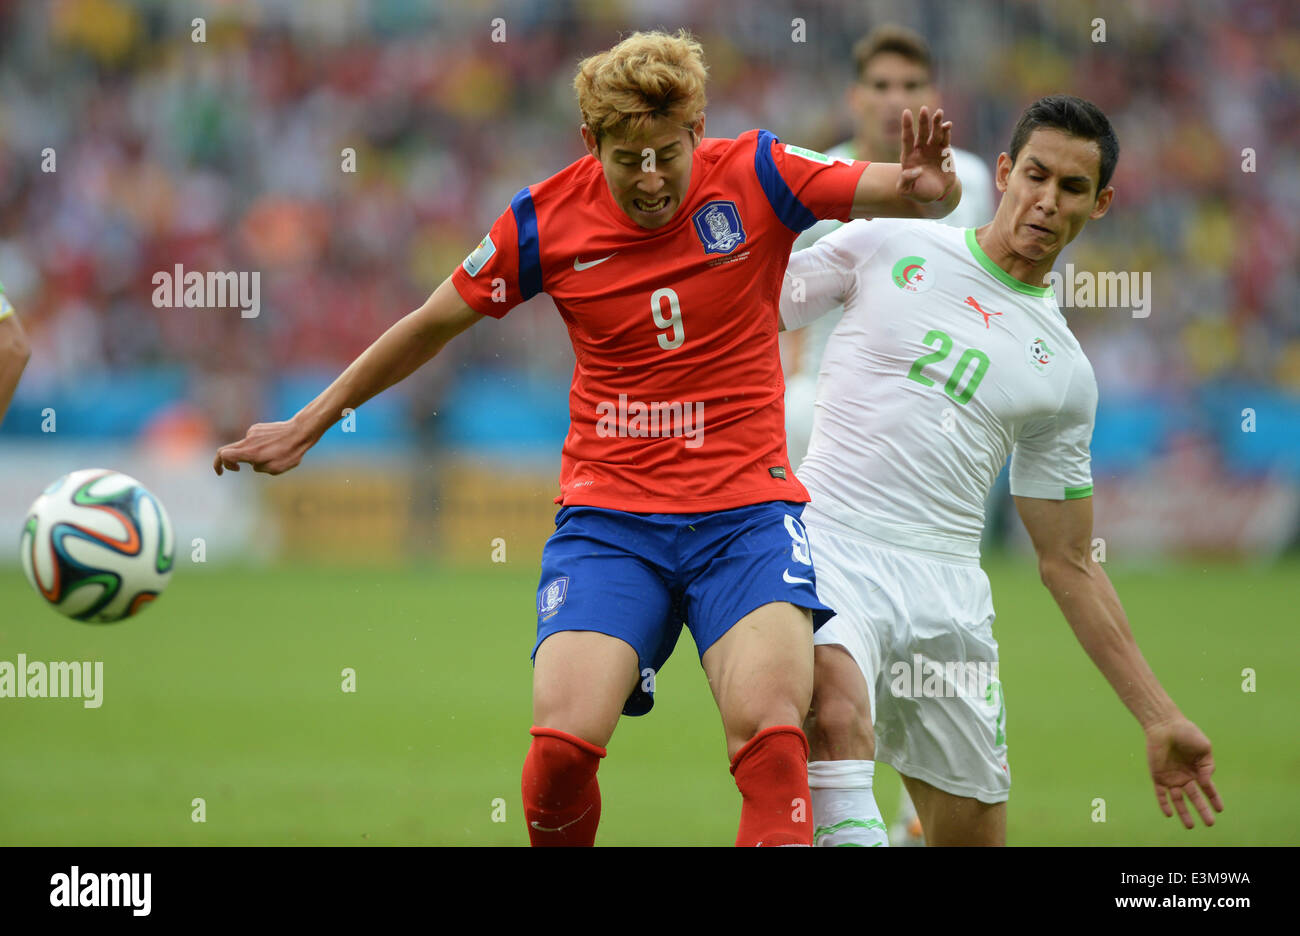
<point>230,689</point>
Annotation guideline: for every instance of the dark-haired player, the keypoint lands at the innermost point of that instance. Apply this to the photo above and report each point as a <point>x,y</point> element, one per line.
<point>952,355</point>
<point>895,72</point>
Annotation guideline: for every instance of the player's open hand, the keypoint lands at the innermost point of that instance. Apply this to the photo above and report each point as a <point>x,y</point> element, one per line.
<point>272,448</point>
<point>1178,754</point>
<point>927,166</point>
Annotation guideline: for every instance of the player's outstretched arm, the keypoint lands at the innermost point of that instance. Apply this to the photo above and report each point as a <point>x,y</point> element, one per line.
<point>923,184</point>
<point>276,447</point>
<point>1178,753</point>
<point>14,354</point>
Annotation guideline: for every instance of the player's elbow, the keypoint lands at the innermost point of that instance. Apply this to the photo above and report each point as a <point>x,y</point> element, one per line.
<point>1058,567</point>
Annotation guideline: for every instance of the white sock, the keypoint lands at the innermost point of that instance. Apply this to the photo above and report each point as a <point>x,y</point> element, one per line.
<point>844,808</point>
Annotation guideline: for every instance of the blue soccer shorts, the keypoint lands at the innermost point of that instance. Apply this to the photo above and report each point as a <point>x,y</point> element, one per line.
<point>641,577</point>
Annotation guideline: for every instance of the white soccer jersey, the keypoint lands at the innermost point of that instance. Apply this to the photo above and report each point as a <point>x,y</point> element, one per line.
<point>941,366</point>
<point>974,209</point>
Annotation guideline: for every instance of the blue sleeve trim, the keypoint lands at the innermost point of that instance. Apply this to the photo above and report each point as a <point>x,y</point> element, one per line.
<point>793,213</point>
<point>530,256</point>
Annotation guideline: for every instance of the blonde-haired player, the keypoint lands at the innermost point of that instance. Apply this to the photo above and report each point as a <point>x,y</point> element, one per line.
<point>664,253</point>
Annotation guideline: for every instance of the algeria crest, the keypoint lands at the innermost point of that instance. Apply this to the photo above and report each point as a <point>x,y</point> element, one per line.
<point>1039,355</point>
<point>909,274</point>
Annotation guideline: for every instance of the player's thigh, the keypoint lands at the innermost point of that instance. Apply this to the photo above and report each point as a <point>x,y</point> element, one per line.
<point>956,820</point>
<point>850,648</point>
<point>604,617</point>
<point>838,725</point>
<point>761,671</point>
<point>748,608</point>
<point>581,680</point>
<point>941,717</point>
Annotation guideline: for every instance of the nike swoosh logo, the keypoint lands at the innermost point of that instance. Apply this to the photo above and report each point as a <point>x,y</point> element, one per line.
<point>580,266</point>
<point>563,827</point>
<point>793,580</point>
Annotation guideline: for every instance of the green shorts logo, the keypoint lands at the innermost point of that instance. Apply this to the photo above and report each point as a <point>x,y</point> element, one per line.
<point>909,274</point>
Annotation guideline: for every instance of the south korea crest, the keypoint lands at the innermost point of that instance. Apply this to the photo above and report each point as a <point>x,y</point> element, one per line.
<point>718,226</point>
<point>552,596</point>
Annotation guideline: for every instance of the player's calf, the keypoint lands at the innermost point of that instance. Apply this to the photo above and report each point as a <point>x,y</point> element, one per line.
<point>949,819</point>
<point>839,721</point>
<point>761,674</point>
<point>841,771</point>
<point>561,795</point>
<point>580,682</point>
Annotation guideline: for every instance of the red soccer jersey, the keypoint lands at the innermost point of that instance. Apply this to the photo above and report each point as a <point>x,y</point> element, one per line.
<point>677,402</point>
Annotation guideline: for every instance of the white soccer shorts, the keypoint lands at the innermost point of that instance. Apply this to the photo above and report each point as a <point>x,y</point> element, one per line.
<point>920,627</point>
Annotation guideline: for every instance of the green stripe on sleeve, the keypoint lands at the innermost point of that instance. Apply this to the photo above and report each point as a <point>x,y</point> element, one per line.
<point>1074,493</point>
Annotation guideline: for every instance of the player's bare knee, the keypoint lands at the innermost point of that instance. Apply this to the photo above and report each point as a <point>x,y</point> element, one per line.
<point>565,715</point>
<point>745,725</point>
<point>588,714</point>
<point>580,682</point>
<point>841,728</point>
<point>956,820</point>
<point>761,672</point>
<point>840,715</point>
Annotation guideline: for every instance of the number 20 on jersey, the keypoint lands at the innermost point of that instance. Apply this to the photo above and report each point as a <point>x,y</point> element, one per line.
<point>969,357</point>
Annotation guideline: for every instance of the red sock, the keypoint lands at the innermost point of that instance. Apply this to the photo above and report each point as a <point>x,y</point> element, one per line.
<point>771,771</point>
<point>561,797</point>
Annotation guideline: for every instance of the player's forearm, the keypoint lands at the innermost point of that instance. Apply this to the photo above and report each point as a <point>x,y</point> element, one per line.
<point>878,196</point>
<point>1093,610</point>
<point>394,356</point>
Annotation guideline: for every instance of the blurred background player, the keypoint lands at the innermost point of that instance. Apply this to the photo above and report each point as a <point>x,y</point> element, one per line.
<point>664,252</point>
<point>14,352</point>
<point>895,71</point>
<point>930,382</point>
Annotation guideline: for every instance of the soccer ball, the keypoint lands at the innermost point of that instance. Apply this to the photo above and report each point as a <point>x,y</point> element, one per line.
<point>97,546</point>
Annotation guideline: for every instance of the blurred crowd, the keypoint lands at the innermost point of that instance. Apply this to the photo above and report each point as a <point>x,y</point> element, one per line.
<point>229,154</point>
